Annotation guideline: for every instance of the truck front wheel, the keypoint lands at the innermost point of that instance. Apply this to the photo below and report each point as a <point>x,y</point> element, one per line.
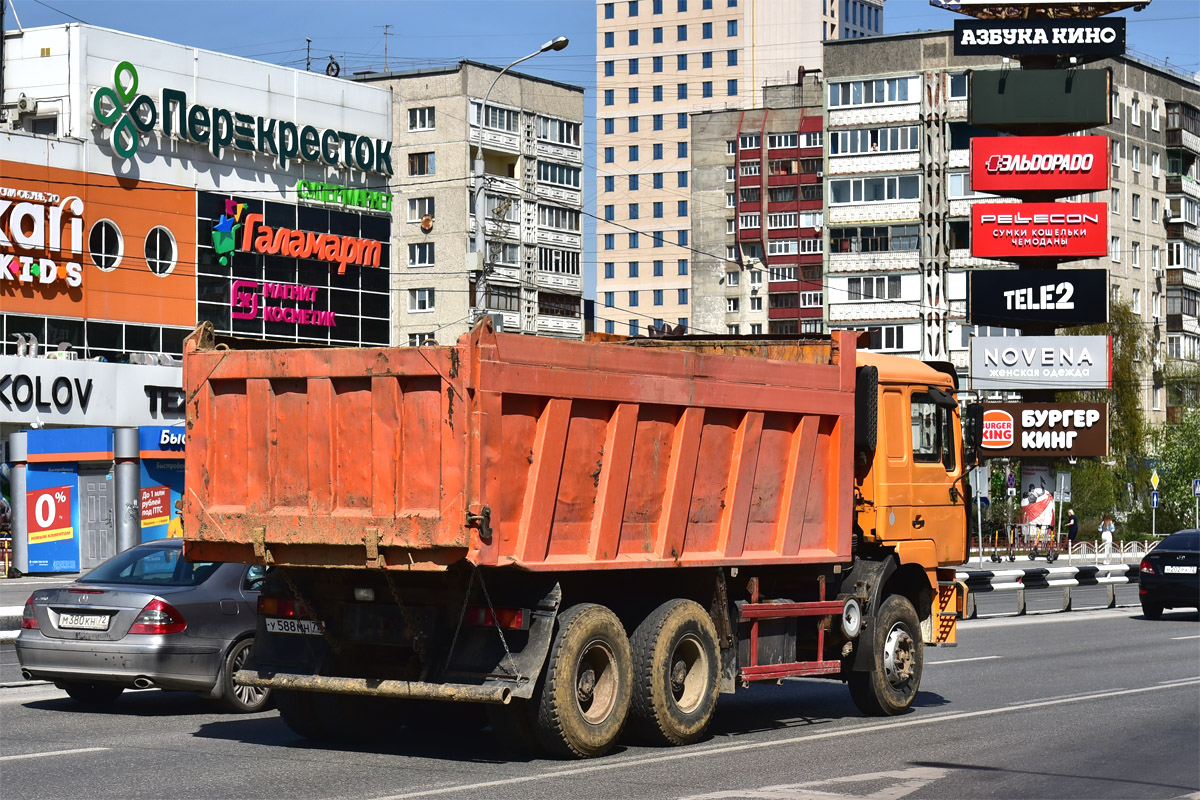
<point>589,675</point>
<point>890,687</point>
<point>675,661</point>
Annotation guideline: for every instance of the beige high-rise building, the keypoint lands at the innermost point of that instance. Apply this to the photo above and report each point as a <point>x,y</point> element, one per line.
<point>658,61</point>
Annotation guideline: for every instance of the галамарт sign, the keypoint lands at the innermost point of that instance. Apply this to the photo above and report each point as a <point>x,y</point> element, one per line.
<point>1045,429</point>
<point>1012,298</point>
<point>1052,37</point>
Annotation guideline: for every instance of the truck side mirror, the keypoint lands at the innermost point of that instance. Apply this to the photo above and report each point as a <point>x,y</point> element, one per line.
<point>973,432</point>
<point>866,409</point>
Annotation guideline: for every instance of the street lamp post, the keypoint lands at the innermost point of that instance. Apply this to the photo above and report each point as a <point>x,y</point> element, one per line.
<point>480,235</point>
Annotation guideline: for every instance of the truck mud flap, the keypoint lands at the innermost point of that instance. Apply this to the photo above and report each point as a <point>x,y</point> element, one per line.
<point>410,690</point>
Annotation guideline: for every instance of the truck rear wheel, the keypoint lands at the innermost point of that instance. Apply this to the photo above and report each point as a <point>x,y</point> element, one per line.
<point>891,685</point>
<point>675,663</point>
<point>583,704</point>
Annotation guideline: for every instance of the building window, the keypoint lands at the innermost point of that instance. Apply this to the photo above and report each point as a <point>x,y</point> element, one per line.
<point>658,180</point>
<point>1135,158</point>
<point>633,95</point>
<point>633,8</point>
<point>682,210</point>
<point>658,269</point>
<point>731,87</point>
<point>1135,206</point>
<point>658,297</point>
<point>610,39</point>
<point>610,213</point>
<point>633,66</point>
<point>633,241</point>
<point>756,303</point>
<point>681,121</point>
<point>566,219</point>
<point>609,183</point>
<point>421,254</point>
<point>873,92</point>
<point>633,327</point>
<point>609,126</point>
<point>418,339</point>
<point>681,61</point>
<point>958,86</point>
<point>1154,209</point>
<point>870,140</point>
<point>682,297</point>
<point>706,89</point>
<point>732,304</point>
<point>609,97</point>
<point>610,299</point>
<point>732,330</point>
<point>160,251</point>
<point>731,28</point>
<point>106,245</point>
<point>681,91</point>
<point>502,298</point>
<point>633,38</point>
<point>633,182</point>
<point>731,58</point>
<point>421,164</point>
<point>560,174</point>
<point>751,168</point>
<point>658,37</point>
<point>730,174</point>
<point>1115,248</point>
<point>657,6</point>
<point>681,238</point>
<point>609,10</point>
<point>1135,253</point>
<point>874,288</point>
<point>609,155</point>
<point>1114,200</point>
<point>609,69</point>
<point>874,190</point>
<point>1136,301</point>
<point>609,270</point>
<point>633,152</point>
<point>633,299</point>
<point>658,210</point>
<point>658,96</point>
<point>706,60</point>
<point>747,221</point>
<point>421,119</point>
<point>682,266</point>
<point>681,149</point>
<point>610,241</point>
<point>681,33</point>
<point>418,207</point>
<point>1135,111</point>
<point>1154,164</point>
<point>420,300</point>
<point>706,30</point>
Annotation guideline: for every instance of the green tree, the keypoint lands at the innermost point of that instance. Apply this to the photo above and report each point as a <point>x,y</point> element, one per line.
<point>1101,486</point>
<point>1177,449</point>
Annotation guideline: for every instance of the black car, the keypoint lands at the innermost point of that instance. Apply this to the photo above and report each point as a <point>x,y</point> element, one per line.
<point>1168,576</point>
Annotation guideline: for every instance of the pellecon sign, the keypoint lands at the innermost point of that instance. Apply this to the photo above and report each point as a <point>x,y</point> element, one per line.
<point>1064,230</point>
<point>130,114</point>
<point>32,227</point>
<point>1050,165</point>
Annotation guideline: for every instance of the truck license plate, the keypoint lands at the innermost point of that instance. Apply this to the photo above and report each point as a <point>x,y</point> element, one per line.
<point>86,622</point>
<point>305,627</point>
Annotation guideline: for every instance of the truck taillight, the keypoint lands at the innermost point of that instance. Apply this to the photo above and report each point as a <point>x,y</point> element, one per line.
<point>1146,566</point>
<point>515,619</point>
<point>159,616</point>
<point>284,607</point>
<point>28,619</point>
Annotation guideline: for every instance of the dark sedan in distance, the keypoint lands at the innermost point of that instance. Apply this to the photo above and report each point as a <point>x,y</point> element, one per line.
<point>146,618</point>
<point>1168,575</point>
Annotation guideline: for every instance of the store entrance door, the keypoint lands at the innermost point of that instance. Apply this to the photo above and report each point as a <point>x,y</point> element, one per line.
<point>98,532</point>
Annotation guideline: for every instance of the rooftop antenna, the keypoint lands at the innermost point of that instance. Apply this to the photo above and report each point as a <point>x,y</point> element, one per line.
<point>308,54</point>
<point>386,34</point>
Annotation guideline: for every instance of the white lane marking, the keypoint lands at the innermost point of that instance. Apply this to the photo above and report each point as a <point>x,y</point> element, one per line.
<point>1181,638</point>
<point>705,752</point>
<point>1175,680</point>
<point>910,780</point>
<point>1052,698</point>
<point>961,660</point>
<point>53,753</point>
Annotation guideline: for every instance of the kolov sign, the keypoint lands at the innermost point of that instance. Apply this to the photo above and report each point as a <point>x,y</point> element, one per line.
<point>1055,166</point>
<point>1016,297</point>
<point>1039,230</point>
<point>1045,429</point>
<point>1019,37</point>
<point>130,114</point>
<point>1021,363</point>
<point>42,390</point>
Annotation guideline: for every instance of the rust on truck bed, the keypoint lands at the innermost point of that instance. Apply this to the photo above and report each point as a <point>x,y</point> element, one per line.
<point>538,453</point>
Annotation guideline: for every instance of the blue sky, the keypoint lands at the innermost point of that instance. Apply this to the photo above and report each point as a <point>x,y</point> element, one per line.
<point>429,32</point>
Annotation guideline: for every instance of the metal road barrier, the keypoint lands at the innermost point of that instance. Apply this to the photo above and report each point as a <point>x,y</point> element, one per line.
<point>1035,578</point>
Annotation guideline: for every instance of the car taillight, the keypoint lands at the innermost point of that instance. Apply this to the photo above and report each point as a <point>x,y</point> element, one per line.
<point>28,620</point>
<point>516,619</point>
<point>1146,566</point>
<point>281,607</point>
<point>159,617</point>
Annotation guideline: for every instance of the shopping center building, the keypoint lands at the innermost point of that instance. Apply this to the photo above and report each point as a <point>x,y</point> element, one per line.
<point>146,187</point>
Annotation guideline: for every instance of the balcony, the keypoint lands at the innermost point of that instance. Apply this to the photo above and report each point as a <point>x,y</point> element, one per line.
<point>565,284</point>
<point>559,152</point>
<point>884,261</point>
<point>874,115</point>
<point>874,162</point>
<point>1182,184</point>
<point>504,141</point>
<point>567,327</point>
<point>1179,137</point>
<point>867,213</point>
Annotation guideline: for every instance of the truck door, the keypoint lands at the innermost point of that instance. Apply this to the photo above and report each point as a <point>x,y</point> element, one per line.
<point>937,514</point>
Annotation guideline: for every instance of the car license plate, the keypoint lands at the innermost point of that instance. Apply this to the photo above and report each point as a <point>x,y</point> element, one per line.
<point>305,627</point>
<point>1182,570</point>
<point>86,622</point>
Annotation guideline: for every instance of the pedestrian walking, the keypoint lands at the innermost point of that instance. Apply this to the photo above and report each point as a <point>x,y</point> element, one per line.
<point>1107,529</point>
<point>1072,529</point>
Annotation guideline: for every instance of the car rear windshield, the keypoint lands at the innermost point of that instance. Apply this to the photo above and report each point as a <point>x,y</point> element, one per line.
<point>1184,540</point>
<point>152,566</point>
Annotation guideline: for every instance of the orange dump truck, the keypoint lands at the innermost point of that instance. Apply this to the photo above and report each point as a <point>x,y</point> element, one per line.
<point>587,538</point>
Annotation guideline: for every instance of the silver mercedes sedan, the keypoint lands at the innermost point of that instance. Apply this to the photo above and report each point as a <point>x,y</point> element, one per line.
<point>146,618</point>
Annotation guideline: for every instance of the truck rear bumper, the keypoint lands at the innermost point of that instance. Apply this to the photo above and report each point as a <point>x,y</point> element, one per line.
<point>497,694</point>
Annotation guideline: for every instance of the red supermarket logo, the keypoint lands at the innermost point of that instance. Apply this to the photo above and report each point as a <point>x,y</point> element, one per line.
<point>997,429</point>
<point>1054,165</point>
<point>1063,230</point>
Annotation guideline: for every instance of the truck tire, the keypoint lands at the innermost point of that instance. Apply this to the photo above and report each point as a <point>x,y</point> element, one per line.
<point>584,702</point>
<point>298,713</point>
<point>675,666</point>
<point>890,687</point>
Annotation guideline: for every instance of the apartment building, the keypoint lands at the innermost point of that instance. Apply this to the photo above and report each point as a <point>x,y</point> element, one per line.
<point>898,197</point>
<point>764,166</point>
<point>532,141</point>
<point>658,62</point>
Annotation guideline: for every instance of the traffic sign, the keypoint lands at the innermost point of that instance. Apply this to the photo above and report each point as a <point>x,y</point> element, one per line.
<point>1154,479</point>
<point>1012,480</point>
<point>1154,499</point>
<point>1196,486</point>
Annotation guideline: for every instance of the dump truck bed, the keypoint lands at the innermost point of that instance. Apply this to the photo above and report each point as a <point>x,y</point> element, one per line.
<point>533,453</point>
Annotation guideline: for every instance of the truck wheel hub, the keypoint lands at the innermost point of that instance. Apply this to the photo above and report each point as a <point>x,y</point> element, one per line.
<point>898,656</point>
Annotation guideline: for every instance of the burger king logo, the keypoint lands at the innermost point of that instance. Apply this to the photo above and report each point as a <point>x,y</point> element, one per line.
<point>997,429</point>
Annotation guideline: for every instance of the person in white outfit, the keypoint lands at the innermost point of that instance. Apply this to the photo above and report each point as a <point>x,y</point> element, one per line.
<point>1107,528</point>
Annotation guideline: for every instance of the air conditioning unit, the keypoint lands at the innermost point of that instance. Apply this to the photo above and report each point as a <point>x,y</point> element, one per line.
<point>1159,272</point>
<point>62,355</point>
<point>820,173</point>
<point>24,104</point>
